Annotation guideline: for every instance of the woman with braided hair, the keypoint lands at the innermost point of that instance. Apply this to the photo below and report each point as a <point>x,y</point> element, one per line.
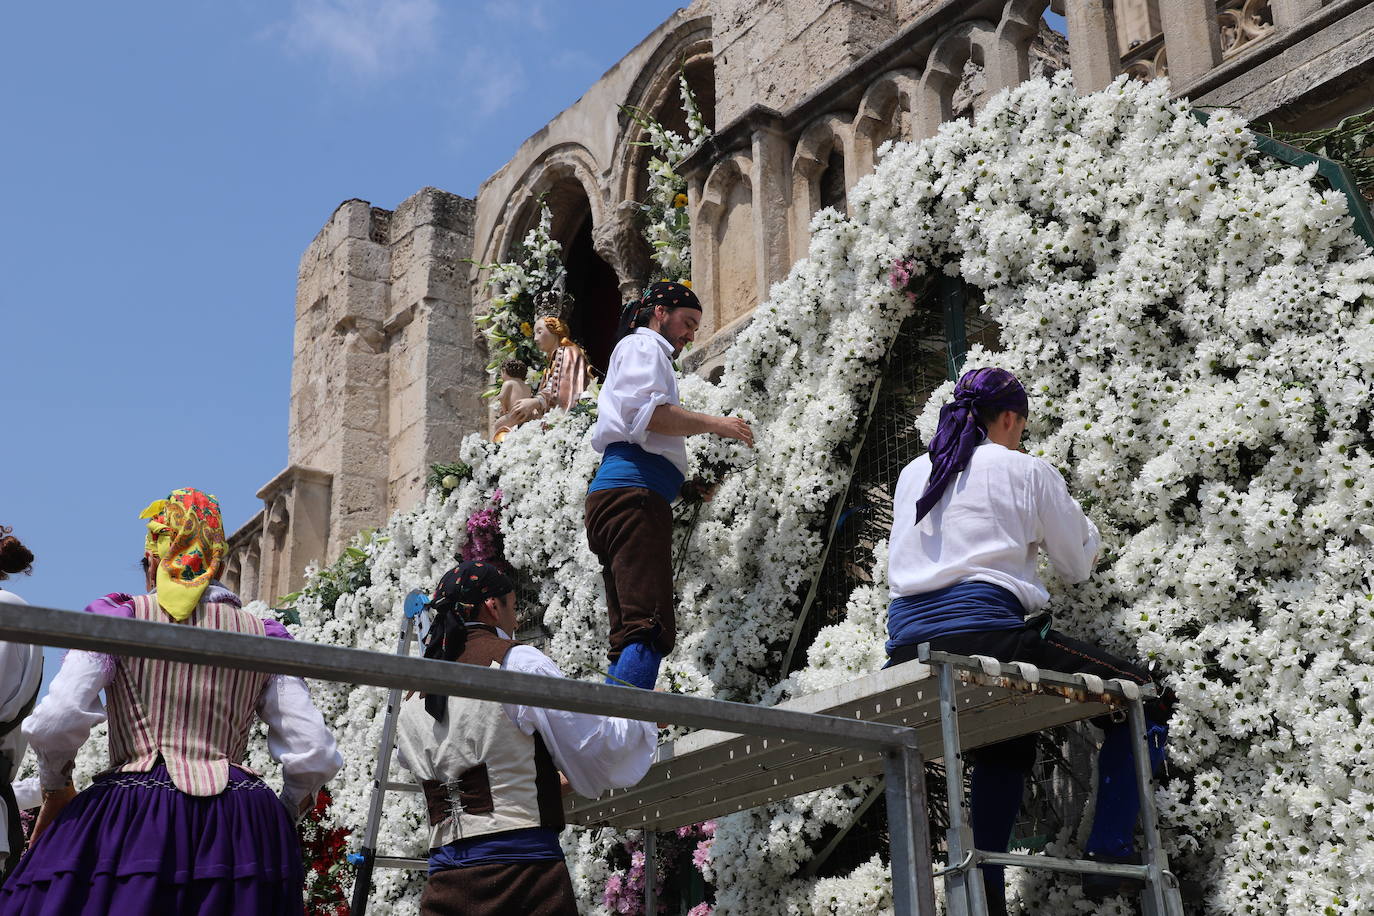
<point>490,771</point>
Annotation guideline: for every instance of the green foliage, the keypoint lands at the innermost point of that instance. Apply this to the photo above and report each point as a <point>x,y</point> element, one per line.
<point>349,573</point>
<point>1350,143</point>
<point>445,477</point>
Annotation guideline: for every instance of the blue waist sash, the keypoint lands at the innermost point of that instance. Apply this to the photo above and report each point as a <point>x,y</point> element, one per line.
<point>531,844</point>
<point>965,607</point>
<point>625,464</point>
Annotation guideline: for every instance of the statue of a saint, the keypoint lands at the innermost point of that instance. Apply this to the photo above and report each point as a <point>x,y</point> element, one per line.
<point>565,379</point>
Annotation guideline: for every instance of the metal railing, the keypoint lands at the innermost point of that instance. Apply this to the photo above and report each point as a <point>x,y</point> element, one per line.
<point>912,881</point>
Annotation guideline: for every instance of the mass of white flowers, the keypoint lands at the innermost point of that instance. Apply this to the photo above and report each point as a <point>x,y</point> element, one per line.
<point>667,225</point>
<point>519,286</point>
<point>1195,324</point>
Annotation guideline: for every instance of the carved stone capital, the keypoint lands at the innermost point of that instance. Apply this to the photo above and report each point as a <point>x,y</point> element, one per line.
<point>620,242</point>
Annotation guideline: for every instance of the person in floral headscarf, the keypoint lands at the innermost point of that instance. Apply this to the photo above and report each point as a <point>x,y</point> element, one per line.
<point>176,824</point>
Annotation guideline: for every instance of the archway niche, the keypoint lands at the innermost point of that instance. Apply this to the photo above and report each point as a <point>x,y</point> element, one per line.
<point>667,110</point>
<point>830,186</point>
<point>595,291</point>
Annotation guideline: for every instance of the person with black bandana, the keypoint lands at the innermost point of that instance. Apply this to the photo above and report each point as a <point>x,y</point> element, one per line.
<point>640,432</point>
<point>490,771</point>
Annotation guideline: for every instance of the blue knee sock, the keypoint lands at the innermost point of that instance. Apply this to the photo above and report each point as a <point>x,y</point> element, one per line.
<point>994,801</point>
<point>1118,801</point>
<point>637,665</point>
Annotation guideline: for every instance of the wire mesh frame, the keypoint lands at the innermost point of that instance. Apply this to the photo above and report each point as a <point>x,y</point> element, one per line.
<point>929,350</point>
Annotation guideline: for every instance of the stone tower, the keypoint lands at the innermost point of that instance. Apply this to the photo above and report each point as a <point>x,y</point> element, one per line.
<point>385,381</point>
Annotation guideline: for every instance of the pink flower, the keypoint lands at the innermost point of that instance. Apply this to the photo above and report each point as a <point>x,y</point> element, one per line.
<point>702,854</point>
<point>701,909</point>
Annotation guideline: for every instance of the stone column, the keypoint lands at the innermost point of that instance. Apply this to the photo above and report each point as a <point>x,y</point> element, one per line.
<point>1008,59</point>
<point>930,105</point>
<point>1191,39</point>
<point>771,163</point>
<point>621,244</point>
<point>1093,51</point>
<point>1291,13</point>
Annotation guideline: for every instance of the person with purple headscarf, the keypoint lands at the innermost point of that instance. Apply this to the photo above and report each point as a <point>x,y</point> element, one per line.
<point>970,518</point>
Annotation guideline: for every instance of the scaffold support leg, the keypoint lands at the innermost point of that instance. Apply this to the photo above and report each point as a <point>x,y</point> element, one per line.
<point>913,884</point>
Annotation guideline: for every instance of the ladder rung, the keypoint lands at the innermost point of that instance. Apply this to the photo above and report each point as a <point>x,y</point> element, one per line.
<point>1051,863</point>
<point>399,862</point>
<point>401,787</point>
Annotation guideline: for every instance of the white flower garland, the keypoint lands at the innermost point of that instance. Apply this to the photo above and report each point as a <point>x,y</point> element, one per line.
<point>667,226</point>
<point>1195,325</point>
<point>537,270</point>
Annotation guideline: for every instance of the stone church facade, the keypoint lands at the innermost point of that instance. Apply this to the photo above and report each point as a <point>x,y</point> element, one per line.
<point>387,363</point>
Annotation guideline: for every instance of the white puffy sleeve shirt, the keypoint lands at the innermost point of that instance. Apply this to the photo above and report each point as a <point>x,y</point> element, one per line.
<point>596,753</point>
<point>296,734</point>
<point>638,380</point>
<point>21,671</point>
<point>990,525</point>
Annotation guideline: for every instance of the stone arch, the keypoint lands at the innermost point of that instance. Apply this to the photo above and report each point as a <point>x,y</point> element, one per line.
<point>971,40</point>
<point>825,146</point>
<point>655,90</point>
<point>276,529</point>
<point>725,239</point>
<point>884,113</point>
<point>554,173</point>
<point>1009,64</point>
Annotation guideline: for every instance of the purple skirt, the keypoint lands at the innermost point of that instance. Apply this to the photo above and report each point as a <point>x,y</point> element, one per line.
<point>134,844</point>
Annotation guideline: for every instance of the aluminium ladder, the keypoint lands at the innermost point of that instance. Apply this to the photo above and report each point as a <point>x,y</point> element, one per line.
<point>416,615</point>
<point>964,891</point>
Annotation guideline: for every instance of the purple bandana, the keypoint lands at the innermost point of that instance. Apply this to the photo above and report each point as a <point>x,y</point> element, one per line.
<point>960,430</point>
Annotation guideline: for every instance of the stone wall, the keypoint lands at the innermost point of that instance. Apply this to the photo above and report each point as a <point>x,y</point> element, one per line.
<point>771,52</point>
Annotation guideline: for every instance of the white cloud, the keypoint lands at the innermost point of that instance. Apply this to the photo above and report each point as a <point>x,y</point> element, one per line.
<point>491,79</point>
<point>368,38</point>
<point>529,14</point>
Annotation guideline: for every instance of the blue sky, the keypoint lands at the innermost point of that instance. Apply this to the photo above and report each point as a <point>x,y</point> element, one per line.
<point>164,165</point>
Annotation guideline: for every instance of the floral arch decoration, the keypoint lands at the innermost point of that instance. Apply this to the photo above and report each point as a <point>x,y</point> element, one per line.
<point>1196,325</point>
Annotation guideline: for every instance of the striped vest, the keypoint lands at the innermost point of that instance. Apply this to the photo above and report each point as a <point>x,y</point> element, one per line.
<point>480,773</point>
<point>196,718</point>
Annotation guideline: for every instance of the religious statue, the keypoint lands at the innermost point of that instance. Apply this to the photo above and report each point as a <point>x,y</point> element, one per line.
<point>565,379</point>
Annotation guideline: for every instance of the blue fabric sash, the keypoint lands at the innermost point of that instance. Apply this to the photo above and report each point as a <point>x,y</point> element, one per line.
<point>627,465</point>
<point>532,844</point>
<point>965,607</point>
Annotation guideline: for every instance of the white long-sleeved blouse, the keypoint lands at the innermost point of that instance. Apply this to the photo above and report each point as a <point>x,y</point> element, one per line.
<point>296,734</point>
<point>989,526</point>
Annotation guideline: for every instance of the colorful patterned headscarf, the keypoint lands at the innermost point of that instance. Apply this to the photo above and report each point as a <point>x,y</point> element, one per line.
<point>453,604</point>
<point>665,293</point>
<point>960,430</point>
<point>186,535</point>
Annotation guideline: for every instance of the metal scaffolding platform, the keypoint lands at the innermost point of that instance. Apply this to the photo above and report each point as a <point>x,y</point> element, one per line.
<point>708,774</point>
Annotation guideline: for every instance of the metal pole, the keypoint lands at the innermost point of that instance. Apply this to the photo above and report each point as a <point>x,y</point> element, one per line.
<point>650,873</point>
<point>362,880</point>
<point>1159,899</point>
<point>913,884</point>
<point>958,838</point>
<point>194,645</point>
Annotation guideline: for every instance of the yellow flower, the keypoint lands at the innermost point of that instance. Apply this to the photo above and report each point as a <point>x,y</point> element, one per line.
<point>526,329</point>
<point>680,200</point>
